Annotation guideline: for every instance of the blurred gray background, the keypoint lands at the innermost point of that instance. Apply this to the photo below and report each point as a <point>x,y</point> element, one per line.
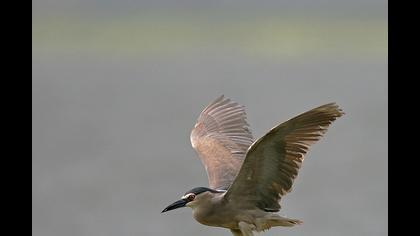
<point>118,85</point>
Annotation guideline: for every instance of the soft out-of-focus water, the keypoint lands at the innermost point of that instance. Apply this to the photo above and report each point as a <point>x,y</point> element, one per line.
<point>111,127</point>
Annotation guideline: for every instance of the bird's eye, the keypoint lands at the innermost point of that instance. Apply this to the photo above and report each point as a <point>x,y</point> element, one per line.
<point>191,197</point>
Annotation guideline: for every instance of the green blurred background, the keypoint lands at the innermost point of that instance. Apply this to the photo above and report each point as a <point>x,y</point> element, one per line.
<point>117,86</point>
<point>281,29</point>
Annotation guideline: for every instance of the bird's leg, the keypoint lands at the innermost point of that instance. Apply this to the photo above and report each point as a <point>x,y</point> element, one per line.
<point>236,232</point>
<point>246,229</point>
<point>276,220</point>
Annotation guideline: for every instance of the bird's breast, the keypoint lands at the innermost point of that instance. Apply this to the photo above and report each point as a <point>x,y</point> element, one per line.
<point>216,216</point>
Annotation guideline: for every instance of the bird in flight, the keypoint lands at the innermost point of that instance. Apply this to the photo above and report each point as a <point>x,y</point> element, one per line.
<point>248,178</point>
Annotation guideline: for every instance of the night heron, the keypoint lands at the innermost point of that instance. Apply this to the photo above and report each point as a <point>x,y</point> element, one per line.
<point>248,178</point>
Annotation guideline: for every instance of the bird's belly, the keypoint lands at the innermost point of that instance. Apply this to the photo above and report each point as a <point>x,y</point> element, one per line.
<point>229,218</point>
<point>222,218</point>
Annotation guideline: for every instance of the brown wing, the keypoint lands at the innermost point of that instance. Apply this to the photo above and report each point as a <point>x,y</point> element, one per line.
<point>221,137</point>
<point>273,161</point>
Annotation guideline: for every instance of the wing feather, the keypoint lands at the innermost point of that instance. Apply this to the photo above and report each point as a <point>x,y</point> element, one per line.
<point>273,161</point>
<point>221,137</point>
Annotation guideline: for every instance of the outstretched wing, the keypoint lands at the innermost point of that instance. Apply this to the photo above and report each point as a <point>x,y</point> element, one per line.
<point>273,161</point>
<point>221,137</point>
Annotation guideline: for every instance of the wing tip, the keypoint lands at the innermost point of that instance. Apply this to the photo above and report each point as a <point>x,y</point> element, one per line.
<point>215,102</point>
<point>332,108</point>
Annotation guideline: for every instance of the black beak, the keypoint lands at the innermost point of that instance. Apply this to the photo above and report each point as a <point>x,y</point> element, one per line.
<point>175,205</point>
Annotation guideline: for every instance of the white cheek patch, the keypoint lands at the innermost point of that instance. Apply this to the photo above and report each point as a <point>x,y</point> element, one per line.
<point>187,195</point>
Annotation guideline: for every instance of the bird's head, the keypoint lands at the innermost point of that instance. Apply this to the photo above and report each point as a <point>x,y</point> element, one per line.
<point>193,198</point>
